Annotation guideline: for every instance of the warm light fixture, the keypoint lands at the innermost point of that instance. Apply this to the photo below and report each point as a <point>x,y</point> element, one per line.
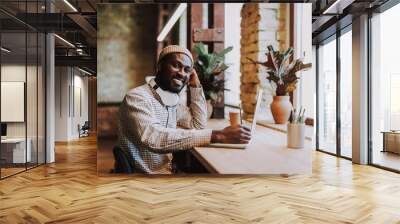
<point>5,50</point>
<point>326,11</point>
<point>171,22</point>
<point>84,71</point>
<point>70,5</point>
<point>65,41</point>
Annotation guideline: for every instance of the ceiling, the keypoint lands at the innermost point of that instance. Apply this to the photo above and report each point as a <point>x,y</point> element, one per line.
<point>80,27</point>
<point>332,15</point>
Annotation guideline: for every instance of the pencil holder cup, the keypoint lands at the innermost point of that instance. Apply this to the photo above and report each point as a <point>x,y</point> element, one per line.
<point>295,135</point>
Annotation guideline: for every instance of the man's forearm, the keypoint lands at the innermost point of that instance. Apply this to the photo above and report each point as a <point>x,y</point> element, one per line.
<point>165,140</point>
<point>217,136</point>
<point>198,108</point>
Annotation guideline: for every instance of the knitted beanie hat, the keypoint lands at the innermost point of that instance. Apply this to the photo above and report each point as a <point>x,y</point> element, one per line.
<point>174,49</point>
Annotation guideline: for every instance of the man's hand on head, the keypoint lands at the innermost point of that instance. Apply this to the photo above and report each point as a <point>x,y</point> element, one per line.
<point>194,79</point>
<point>232,134</point>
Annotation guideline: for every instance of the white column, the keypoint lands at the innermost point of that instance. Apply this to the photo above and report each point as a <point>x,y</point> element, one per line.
<point>50,92</point>
<point>63,102</point>
<point>50,99</point>
<point>360,90</point>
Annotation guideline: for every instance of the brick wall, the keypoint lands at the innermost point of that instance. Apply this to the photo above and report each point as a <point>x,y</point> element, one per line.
<point>126,54</point>
<point>262,24</point>
<point>126,48</point>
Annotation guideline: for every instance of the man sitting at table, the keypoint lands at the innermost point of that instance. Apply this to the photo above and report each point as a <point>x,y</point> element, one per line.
<point>150,114</point>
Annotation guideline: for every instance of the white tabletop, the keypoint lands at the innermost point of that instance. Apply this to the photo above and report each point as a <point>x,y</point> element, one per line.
<point>267,154</point>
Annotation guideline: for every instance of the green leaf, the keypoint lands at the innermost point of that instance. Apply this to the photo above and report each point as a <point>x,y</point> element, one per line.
<point>208,67</point>
<point>200,48</point>
<point>224,52</point>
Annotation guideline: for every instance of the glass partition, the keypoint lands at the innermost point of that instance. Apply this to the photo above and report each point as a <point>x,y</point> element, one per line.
<point>31,97</point>
<point>327,96</point>
<point>13,94</point>
<point>22,88</point>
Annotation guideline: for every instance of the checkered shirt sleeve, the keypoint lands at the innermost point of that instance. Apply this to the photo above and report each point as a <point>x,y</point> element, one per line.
<point>148,129</point>
<point>195,116</point>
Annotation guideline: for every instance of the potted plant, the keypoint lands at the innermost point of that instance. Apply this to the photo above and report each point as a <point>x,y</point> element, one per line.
<point>281,70</point>
<point>208,67</point>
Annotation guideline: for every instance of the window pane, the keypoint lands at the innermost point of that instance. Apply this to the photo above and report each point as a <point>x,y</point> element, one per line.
<point>23,88</point>
<point>385,84</point>
<point>327,97</point>
<point>346,94</point>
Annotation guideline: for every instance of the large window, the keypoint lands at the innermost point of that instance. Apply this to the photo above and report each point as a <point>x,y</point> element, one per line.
<point>327,96</point>
<point>334,58</point>
<point>385,89</point>
<point>346,93</point>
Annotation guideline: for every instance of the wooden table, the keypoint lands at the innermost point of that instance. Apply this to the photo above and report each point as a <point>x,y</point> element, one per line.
<point>391,141</point>
<point>267,154</point>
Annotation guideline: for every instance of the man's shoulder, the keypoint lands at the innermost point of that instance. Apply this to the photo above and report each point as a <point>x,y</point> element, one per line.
<point>139,92</point>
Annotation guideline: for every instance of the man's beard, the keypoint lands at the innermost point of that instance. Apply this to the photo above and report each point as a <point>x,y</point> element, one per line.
<point>166,84</point>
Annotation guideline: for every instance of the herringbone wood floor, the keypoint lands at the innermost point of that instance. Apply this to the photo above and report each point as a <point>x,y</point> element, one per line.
<point>70,191</point>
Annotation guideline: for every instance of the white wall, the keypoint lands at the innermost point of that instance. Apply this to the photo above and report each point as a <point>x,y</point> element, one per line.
<point>12,73</point>
<point>61,103</point>
<point>304,96</point>
<point>79,117</point>
<point>232,38</point>
<point>33,126</point>
<point>70,84</point>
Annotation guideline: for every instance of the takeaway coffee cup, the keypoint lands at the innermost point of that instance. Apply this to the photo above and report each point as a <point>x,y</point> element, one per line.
<point>234,118</point>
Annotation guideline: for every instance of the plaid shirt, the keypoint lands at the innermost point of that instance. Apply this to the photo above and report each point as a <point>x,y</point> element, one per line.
<point>148,129</point>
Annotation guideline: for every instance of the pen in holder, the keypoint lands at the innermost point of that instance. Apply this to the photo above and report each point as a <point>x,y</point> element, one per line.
<point>296,129</point>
